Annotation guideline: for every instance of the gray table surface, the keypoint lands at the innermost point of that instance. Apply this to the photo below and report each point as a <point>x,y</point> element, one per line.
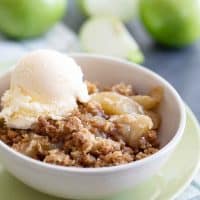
<point>181,67</point>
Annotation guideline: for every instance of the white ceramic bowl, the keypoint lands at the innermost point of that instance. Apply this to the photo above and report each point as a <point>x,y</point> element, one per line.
<point>80,183</point>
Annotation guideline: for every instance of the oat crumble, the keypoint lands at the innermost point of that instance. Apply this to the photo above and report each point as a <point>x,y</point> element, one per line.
<point>93,135</point>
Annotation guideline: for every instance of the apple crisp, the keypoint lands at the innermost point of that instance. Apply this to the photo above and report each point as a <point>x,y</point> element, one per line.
<point>116,126</point>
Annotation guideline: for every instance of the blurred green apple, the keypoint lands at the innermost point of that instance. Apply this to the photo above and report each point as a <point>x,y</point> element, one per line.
<point>29,18</point>
<point>122,9</point>
<point>171,22</point>
<point>109,36</point>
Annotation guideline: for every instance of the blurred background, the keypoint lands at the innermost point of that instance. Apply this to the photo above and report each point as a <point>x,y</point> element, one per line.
<point>162,35</point>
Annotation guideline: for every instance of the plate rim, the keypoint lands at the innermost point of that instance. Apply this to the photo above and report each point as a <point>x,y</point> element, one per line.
<point>186,184</point>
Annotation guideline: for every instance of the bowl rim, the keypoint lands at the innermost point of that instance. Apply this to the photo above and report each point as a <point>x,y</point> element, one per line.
<point>171,144</point>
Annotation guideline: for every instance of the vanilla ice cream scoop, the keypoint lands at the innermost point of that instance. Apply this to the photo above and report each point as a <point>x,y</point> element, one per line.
<point>43,83</point>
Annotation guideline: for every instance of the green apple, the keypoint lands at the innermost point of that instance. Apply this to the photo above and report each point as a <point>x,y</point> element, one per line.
<point>29,18</point>
<point>172,23</point>
<point>109,36</point>
<point>122,9</point>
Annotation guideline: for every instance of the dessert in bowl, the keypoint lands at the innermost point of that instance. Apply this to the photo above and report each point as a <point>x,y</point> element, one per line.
<point>86,142</point>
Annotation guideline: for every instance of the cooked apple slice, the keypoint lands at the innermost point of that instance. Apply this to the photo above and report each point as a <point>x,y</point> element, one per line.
<point>116,104</point>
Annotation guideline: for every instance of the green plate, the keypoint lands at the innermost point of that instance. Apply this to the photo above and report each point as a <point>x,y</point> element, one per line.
<point>166,184</point>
